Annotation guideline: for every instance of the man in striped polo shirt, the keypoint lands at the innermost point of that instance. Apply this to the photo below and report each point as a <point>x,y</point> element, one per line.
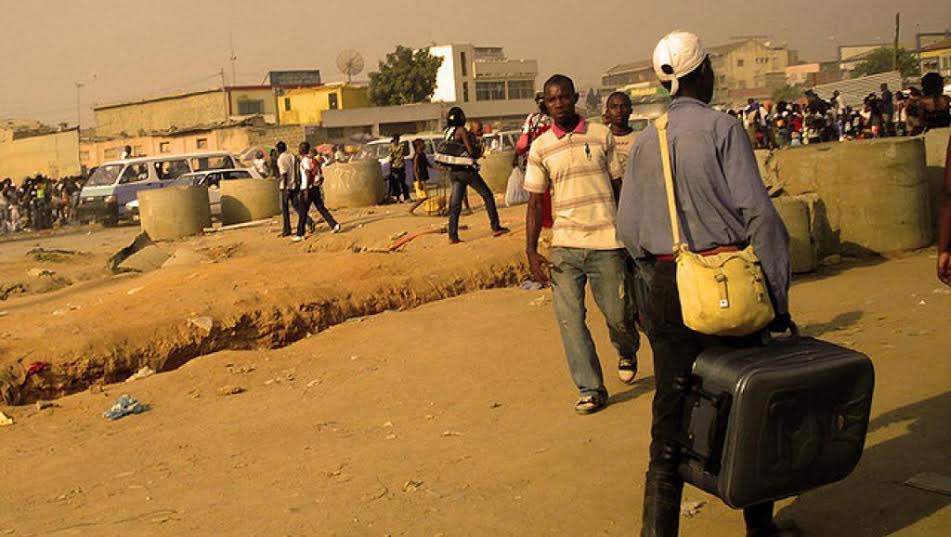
<point>578,162</point>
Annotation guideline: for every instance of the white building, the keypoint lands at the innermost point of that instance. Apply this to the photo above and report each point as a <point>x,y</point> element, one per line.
<point>469,73</point>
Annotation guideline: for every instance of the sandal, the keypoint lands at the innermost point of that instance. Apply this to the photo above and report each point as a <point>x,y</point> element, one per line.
<point>501,231</point>
<point>589,404</point>
<point>627,370</point>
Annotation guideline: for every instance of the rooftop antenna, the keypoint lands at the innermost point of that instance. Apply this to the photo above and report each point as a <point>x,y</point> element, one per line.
<point>350,63</point>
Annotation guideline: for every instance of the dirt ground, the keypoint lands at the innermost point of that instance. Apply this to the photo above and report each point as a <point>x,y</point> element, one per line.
<point>450,414</point>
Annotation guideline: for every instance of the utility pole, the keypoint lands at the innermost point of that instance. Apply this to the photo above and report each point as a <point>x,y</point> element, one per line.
<point>895,49</point>
<point>233,58</point>
<point>79,129</point>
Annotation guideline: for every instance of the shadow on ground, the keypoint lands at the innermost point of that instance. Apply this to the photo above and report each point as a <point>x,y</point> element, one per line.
<point>839,322</point>
<point>873,501</point>
<point>642,387</point>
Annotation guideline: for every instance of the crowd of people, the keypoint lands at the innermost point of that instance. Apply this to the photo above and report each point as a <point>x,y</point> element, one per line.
<point>37,203</point>
<point>814,120</point>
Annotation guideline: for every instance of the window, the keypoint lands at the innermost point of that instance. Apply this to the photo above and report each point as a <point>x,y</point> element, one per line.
<point>134,173</point>
<point>465,92</point>
<point>332,101</point>
<point>237,174</point>
<point>287,104</point>
<point>202,143</point>
<point>335,133</point>
<point>762,60</point>
<point>521,89</point>
<point>462,61</point>
<point>739,63</point>
<point>490,91</point>
<point>212,163</point>
<point>165,147</point>
<point>171,169</point>
<point>250,108</point>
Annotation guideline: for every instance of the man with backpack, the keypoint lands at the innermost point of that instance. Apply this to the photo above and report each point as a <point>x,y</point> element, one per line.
<point>714,167</point>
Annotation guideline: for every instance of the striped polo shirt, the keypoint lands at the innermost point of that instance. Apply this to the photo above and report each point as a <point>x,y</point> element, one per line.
<point>578,167</point>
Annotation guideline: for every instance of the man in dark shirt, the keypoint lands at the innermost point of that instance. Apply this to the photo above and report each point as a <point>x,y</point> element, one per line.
<point>722,203</point>
<point>888,111</point>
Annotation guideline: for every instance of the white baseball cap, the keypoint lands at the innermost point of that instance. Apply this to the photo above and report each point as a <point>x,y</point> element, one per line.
<point>677,54</point>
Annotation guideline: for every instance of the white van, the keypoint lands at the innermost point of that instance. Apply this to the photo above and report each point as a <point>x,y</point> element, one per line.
<point>115,184</point>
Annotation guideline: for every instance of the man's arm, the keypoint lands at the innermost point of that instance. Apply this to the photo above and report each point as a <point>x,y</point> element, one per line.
<point>764,228</point>
<point>944,225</point>
<point>536,184</point>
<point>464,136</point>
<point>614,166</point>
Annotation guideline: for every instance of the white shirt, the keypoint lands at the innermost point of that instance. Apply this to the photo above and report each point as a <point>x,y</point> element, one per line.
<point>287,164</point>
<point>261,166</point>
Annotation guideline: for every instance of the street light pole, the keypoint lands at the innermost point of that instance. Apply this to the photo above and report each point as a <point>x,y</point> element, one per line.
<point>79,129</point>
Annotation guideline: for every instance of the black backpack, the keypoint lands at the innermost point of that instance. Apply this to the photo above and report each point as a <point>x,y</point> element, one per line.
<point>451,152</point>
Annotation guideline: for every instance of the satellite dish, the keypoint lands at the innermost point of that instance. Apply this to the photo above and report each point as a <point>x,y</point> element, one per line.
<point>350,63</point>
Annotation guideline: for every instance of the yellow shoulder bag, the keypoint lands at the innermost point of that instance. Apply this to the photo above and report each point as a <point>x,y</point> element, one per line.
<point>722,294</point>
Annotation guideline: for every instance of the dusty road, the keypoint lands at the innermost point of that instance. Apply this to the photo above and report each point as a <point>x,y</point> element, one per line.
<point>455,419</point>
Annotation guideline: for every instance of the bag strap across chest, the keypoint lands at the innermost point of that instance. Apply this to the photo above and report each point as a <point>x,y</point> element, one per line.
<point>661,125</point>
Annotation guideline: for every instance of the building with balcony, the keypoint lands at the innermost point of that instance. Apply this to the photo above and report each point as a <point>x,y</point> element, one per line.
<point>478,74</point>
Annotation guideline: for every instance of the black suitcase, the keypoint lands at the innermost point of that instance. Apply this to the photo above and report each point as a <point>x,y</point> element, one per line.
<point>769,422</point>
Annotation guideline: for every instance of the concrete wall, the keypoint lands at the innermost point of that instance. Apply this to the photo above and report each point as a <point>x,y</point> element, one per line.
<point>162,114</point>
<point>53,155</point>
<point>875,192</point>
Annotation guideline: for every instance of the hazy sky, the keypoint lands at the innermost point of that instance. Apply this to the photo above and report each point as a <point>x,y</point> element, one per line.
<point>133,48</point>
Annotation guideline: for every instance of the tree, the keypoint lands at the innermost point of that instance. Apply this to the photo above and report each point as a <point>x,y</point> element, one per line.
<point>787,93</point>
<point>406,77</point>
<point>881,60</point>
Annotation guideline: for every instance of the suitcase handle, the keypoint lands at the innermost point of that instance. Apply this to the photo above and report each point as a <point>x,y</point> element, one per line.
<point>791,339</point>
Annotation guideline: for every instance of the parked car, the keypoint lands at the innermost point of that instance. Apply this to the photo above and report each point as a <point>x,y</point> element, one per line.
<point>212,179</point>
<point>114,184</point>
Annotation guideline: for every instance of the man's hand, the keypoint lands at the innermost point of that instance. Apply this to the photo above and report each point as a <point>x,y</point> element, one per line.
<point>539,267</point>
<point>944,267</point>
<point>781,324</point>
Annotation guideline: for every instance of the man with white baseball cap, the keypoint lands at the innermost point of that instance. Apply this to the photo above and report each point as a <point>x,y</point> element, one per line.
<point>715,169</point>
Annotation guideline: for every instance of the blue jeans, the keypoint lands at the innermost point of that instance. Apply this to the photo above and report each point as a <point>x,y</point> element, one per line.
<point>611,285</point>
<point>460,180</point>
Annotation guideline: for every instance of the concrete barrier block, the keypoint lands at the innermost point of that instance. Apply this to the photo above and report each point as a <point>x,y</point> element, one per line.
<point>247,200</point>
<point>936,147</point>
<point>496,168</point>
<point>355,184</point>
<point>875,191</point>
<point>174,212</point>
<point>803,248</point>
